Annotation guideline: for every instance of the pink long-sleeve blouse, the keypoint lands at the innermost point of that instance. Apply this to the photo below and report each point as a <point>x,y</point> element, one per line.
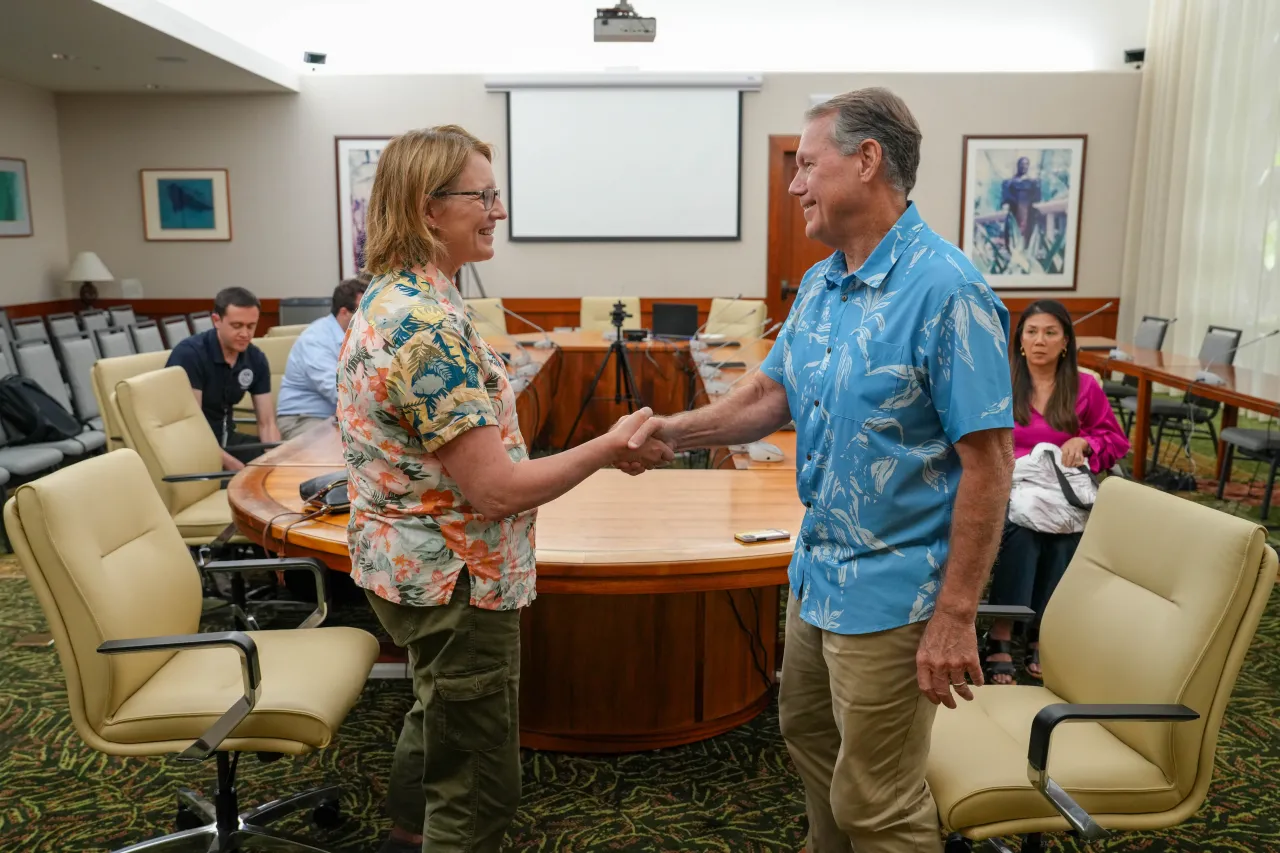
<point>1098,426</point>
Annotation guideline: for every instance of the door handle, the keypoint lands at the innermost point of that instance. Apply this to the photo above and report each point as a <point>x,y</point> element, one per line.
<point>788,290</point>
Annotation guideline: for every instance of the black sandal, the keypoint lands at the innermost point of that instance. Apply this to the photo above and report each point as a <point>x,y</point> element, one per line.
<point>993,668</point>
<point>1033,657</point>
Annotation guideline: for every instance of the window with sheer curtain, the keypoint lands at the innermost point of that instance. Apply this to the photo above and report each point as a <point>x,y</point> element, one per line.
<point>1204,208</point>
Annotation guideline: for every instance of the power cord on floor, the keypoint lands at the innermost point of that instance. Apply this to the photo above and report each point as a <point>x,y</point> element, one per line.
<point>753,636</point>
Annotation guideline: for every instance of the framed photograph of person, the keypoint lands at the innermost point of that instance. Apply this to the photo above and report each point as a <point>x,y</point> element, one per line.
<point>186,204</point>
<point>1020,202</point>
<point>357,161</point>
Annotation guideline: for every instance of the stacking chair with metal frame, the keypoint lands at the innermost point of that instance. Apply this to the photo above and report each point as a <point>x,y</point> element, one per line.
<point>106,374</point>
<point>113,343</point>
<point>113,579</point>
<point>94,319</point>
<point>29,329</point>
<point>121,315</point>
<point>1217,348</point>
<point>1261,445</point>
<point>201,321</point>
<point>175,330</point>
<point>1140,647</point>
<point>1150,335</point>
<point>61,325</point>
<point>78,358</point>
<point>37,361</point>
<point>146,336</point>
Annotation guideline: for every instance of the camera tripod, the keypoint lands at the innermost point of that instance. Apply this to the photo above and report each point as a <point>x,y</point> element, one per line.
<point>625,388</point>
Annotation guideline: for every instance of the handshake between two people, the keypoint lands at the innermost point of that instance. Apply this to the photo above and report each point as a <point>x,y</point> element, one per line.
<point>638,443</point>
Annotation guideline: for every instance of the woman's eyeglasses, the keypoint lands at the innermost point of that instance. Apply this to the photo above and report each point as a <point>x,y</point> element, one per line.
<point>487,197</point>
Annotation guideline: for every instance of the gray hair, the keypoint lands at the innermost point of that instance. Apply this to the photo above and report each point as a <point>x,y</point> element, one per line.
<point>876,113</point>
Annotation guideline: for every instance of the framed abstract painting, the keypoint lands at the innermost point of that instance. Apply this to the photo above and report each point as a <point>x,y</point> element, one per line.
<point>15,198</point>
<point>1020,209</point>
<point>186,204</point>
<point>356,162</point>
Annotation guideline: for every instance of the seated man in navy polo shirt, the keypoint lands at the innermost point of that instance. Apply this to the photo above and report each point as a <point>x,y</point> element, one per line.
<point>223,364</point>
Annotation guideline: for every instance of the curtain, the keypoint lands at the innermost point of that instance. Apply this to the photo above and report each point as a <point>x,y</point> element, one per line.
<point>1204,205</point>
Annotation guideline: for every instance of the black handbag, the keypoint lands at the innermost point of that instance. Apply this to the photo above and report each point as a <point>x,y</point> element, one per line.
<point>327,493</point>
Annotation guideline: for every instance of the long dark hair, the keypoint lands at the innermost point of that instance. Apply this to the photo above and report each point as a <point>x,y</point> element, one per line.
<point>1061,411</point>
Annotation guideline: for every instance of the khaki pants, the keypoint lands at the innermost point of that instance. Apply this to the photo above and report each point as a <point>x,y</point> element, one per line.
<point>295,425</point>
<point>857,727</point>
<point>455,776</point>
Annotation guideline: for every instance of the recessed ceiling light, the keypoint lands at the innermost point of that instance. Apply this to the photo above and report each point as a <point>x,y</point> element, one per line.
<point>171,59</point>
<point>153,85</point>
<point>63,56</point>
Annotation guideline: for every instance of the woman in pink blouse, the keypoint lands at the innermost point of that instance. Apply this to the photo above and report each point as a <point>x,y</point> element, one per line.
<point>1053,403</point>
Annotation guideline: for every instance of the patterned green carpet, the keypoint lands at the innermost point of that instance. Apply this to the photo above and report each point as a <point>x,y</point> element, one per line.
<point>737,793</point>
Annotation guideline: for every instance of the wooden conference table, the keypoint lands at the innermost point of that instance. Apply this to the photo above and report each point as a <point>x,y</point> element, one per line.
<point>653,626</point>
<point>1253,390</point>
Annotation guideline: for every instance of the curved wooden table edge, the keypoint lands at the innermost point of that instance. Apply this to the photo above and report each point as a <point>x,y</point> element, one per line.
<point>663,739</point>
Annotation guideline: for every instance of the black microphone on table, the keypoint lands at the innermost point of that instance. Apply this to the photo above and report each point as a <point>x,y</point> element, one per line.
<point>1207,377</point>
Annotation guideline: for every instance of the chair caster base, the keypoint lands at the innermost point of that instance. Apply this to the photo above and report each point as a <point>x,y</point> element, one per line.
<point>197,826</point>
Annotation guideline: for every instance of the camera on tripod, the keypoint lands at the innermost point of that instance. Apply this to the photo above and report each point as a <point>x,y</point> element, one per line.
<point>617,316</point>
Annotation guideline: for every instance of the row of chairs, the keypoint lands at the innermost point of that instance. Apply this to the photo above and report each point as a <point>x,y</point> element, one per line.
<point>1193,414</point>
<point>733,318</point>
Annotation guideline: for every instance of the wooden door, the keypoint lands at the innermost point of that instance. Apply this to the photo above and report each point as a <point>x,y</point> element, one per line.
<point>791,253</point>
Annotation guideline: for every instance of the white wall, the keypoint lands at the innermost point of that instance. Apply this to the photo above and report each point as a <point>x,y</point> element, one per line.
<point>280,153</point>
<point>31,268</point>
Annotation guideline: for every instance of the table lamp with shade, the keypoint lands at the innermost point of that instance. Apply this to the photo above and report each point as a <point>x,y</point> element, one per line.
<point>87,269</point>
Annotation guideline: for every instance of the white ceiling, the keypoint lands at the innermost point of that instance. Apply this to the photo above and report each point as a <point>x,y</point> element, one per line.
<point>257,45</point>
<point>512,36</point>
<point>116,45</point>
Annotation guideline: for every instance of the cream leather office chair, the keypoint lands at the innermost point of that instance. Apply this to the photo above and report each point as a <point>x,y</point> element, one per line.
<point>595,311</point>
<point>488,317</point>
<point>736,318</point>
<point>286,331</point>
<point>113,577</point>
<point>1140,646</point>
<point>166,428</point>
<point>276,348</point>
<point>106,372</point>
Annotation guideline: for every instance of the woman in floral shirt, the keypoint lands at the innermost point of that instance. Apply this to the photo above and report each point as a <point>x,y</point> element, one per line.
<point>443,492</point>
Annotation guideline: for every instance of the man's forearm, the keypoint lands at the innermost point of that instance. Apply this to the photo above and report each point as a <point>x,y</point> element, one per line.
<point>976,525</point>
<point>749,413</point>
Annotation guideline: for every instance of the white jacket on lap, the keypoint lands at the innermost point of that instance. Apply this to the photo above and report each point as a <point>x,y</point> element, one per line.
<point>1038,500</point>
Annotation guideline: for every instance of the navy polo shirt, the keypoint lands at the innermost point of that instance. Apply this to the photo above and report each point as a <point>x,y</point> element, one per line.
<point>221,385</point>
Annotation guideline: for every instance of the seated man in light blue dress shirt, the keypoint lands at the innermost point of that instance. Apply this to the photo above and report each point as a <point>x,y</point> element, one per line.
<point>893,364</point>
<point>309,389</point>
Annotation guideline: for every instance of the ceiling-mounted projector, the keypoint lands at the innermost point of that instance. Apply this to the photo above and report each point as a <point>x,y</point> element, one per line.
<point>621,23</point>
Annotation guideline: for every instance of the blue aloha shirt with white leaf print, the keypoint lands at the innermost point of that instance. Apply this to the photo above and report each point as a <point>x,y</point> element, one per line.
<point>885,369</point>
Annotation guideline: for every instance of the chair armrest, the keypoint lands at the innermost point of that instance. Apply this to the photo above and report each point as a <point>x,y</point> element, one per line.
<point>250,670</point>
<point>244,420</point>
<point>1038,750</point>
<point>311,564</point>
<point>195,478</point>
<point>1014,612</point>
<point>254,445</point>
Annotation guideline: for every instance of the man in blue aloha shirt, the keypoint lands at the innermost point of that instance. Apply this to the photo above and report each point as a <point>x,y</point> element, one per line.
<point>893,365</point>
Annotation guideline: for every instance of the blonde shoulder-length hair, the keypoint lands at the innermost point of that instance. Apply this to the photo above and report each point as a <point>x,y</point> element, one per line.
<point>412,168</point>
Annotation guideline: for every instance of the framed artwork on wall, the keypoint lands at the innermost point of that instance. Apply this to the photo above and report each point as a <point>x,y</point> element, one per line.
<point>1020,200</point>
<point>356,160</point>
<point>186,204</point>
<point>15,198</point>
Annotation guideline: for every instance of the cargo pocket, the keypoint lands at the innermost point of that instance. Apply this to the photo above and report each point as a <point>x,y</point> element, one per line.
<point>472,709</point>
